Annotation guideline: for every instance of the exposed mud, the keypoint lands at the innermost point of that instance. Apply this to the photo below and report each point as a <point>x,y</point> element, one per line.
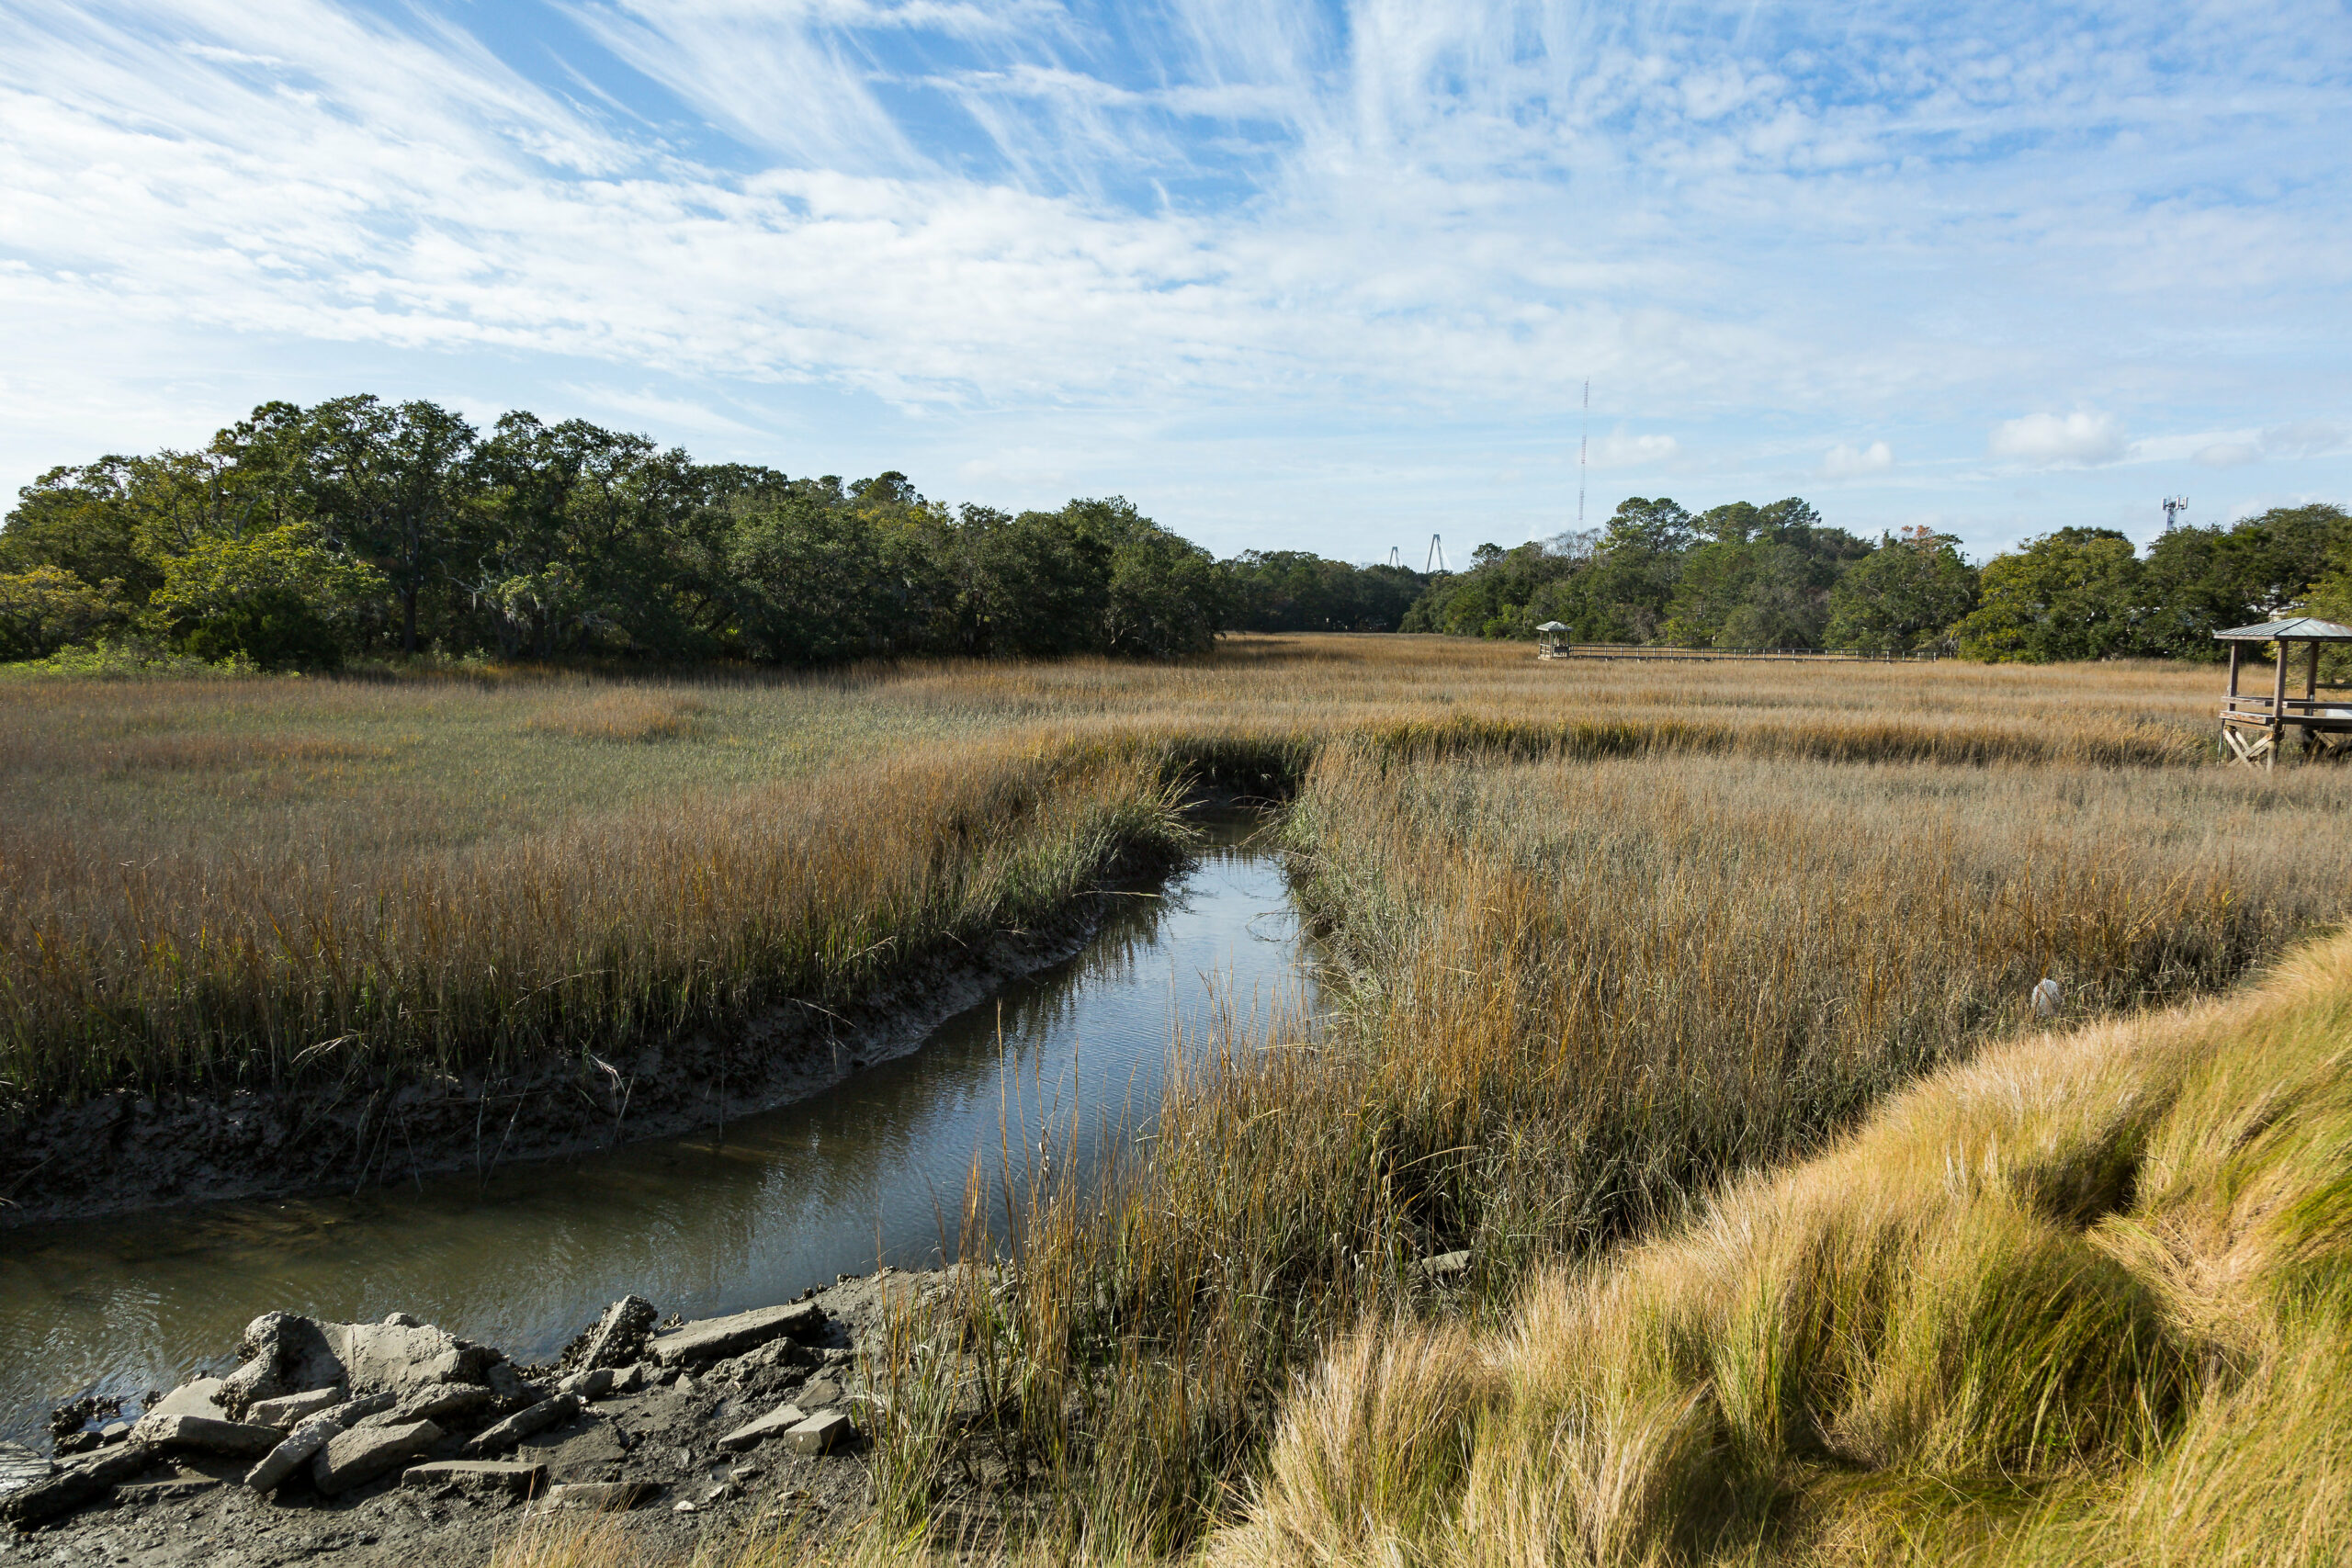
<point>120,1153</point>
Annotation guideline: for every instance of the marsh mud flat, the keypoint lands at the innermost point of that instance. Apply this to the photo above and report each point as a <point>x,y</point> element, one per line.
<point>121,1152</point>
<point>396,1443</point>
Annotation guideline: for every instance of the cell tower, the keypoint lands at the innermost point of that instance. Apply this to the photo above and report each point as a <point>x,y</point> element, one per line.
<point>1436,554</point>
<point>1584,446</point>
<point>2174,506</point>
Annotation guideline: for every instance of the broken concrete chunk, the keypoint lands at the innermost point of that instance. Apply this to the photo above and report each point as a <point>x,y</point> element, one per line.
<point>631,1380</point>
<point>69,1489</point>
<point>284,1353</point>
<point>403,1356</point>
<point>443,1406</point>
<point>594,1383</point>
<point>20,1467</point>
<point>300,1444</point>
<point>819,1393</point>
<point>619,1337</point>
<point>773,1424</point>
<point>715,1338</point>
<point>522,1424</point>
<point>820,1432</point>
<point>517,1476</point>
<point>359,1456</point>
<point>289,1411</point>
<point>1446,1264</point>
<point>199,1398</point>
<point>208,1435</point>
<point>600,1496</point>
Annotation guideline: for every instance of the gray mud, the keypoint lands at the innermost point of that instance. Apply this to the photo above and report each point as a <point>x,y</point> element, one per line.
<point>121,1152</point>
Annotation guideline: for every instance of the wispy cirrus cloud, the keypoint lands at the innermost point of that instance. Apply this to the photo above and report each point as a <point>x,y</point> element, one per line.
<point>1246,257</point>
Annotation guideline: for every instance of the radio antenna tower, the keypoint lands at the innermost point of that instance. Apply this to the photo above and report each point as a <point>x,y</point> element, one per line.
<point>1436,554</point>
<point>1584,446</point>
<point>2174,506</point>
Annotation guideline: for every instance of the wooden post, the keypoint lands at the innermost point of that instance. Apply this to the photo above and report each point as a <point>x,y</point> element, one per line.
<point>2236,649</point>
<point>2277,704</point>
<point>2310,695</point>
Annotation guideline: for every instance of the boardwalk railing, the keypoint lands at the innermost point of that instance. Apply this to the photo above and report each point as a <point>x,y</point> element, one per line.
<point>1787,655</point>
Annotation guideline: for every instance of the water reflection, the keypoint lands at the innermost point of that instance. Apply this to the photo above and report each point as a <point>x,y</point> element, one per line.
<point>873,1170</point>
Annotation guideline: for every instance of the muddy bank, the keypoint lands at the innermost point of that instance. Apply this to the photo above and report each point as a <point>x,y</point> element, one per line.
<point>124,1152</point>
<point>413,1446</point>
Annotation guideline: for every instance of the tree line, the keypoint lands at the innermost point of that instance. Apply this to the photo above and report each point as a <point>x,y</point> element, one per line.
<point>1776,576</point>
<point>304,537</point>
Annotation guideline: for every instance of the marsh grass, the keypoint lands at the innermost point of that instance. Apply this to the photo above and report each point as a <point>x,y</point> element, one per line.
<point>2081,1300</point>
<point>1578,996</point>
<point>1607,941</point>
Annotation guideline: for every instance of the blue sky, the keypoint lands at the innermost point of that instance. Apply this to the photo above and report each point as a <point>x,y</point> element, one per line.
<point>1320,277</point>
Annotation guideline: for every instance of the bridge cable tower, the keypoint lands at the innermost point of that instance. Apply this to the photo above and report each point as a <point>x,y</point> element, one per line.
<point>1437,555</point>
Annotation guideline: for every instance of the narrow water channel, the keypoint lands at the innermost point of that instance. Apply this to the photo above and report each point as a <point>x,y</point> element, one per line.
<point>872,1170</point>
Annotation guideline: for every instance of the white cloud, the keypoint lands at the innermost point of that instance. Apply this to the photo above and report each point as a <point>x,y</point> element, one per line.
<point>1618,450</point>
<point>1846,461</point>
<point>2229,454</point>
<point>2081,439</point>
<point>1310,226</point>
<point>2305,438</point>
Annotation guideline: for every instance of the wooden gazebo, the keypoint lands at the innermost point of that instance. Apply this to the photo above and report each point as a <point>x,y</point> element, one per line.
<point>1551,640</point>
<point>2254,729</point>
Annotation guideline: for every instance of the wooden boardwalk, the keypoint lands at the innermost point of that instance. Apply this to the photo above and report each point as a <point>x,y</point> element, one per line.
<point>1640,653</point>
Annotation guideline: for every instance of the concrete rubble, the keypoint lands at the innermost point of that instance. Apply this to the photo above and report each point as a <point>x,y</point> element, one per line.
<point>326,1421</point>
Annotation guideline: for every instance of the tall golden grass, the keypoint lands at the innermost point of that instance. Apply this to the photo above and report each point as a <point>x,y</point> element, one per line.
<point>2084,1299</point>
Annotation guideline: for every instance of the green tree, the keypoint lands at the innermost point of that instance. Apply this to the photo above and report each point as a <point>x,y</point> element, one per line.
<point>282,598</point>
<point>47,608</point>
<point>388,484</point>
<point>1904,596</point>
<point>2073,593</point>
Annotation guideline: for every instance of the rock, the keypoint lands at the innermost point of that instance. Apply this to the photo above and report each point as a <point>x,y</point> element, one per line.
<point>403,1356</point>
<point>619,1337</point>
<point>360,1455</point>
<point>594,1383</point>
<point>820,1432</point>
<point>520,1477</point>
<point>630,1381</point>
<point>818,1393</point>
<point>208,1435</point>
<point>284,1353</point>
<point>199,1398</point>
<point>443,1406</point>
<point>300,1444</point>
<point>288,1354</point>
<point>1445,1265</point>
<point>69,1489</point>
<point>114,1431</point>
<point>600,1496</point>
<point>716,1339</point>
<point>522,1424</point>
<point>773,1424</point>
<point>20,1467</point>
<point>289,1411</point>
<point>352,1412</point>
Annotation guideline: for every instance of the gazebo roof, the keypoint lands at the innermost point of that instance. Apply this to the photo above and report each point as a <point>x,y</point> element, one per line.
<point>2295,628</point>
<point>1557,626</point>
